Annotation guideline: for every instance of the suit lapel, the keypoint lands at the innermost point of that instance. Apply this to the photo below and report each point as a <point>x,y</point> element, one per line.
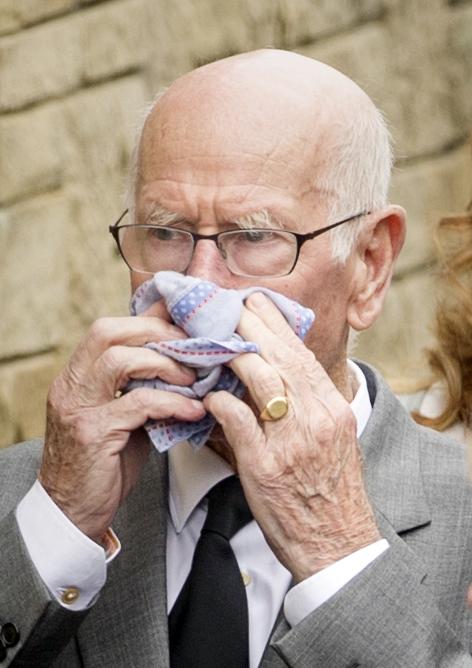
<point>391,448</point>
<point>270,658</point>
<point>128,624</point>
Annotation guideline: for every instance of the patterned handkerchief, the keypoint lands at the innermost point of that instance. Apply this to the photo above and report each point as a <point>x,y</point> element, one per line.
<point>209,315</point>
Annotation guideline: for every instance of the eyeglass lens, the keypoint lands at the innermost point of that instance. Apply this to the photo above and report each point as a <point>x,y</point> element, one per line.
<point>247,252</point>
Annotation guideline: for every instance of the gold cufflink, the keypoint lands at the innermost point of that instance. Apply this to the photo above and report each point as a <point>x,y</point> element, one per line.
<point>70,595</point>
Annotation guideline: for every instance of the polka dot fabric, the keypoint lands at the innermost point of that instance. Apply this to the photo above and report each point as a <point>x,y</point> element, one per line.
<point>209,315</point>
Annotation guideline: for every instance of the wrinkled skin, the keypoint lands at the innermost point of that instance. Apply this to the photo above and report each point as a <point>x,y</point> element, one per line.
<point>248,133</point>
<point>94,450</point>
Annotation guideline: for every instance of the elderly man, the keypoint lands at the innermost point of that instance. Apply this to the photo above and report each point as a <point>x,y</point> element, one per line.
<point>270,170</point>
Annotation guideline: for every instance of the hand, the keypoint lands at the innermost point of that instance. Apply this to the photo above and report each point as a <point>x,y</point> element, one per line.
<point>302,474</point>
<point>93,454</point>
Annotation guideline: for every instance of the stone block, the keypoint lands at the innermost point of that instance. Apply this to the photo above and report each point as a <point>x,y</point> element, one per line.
<point>186,34</point>
<point>304,20</point>
<point>14,14</point>
<point>399,62</point>
<point>56,57</point>
<point>461,63</point>
<point>114,38</point>
<point>396,341</point>
<point>8,432</point>
<point>208,30</point>
<point>420,81</point>
<point>98,126</point>
<point>98,134</point>
<point>99,123</point>
<point>38,63</point>
<point>31,145</point>
<point>428,190</point>
<point>58,272</point>
<point>362,54</point>
<point>24,389</point>
<point>98,280</point>
<point>34,288</point>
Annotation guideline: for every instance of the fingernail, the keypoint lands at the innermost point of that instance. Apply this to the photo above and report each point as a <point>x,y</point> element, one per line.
<point>257,299</point>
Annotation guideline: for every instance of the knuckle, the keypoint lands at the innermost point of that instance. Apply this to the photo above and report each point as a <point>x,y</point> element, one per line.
<point>305,362</point>
<point>142,398</point>
<point>58,393</point>
<point>280,358</point>
<point>89,428</point>
<point>267,382</point>
<point>239,412</point>
<point>342,422</point>
<point>101,331</point>
<point>112,358</point>
<point>82,430</point>
<point>301,361</point>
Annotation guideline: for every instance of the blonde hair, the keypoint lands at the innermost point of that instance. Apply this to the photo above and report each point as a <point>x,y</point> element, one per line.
<point>450,358</point>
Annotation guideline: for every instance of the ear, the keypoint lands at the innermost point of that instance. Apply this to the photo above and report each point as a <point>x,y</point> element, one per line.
<point>378,246</point>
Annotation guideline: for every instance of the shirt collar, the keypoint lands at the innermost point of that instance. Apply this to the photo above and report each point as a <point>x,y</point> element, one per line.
<point>360,405</point>
<point>192,473</point>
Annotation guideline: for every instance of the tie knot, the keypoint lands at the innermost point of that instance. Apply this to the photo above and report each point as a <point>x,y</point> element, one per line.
<point>228,510</point>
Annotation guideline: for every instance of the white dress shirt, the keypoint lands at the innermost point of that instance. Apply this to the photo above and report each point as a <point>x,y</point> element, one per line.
<point>65,557</point>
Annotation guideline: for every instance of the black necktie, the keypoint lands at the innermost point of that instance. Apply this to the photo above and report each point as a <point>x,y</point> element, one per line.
<point>208,625</point>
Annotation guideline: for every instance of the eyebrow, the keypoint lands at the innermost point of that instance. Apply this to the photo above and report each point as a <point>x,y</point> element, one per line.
<point>164,217</point>
<point>256,219</point>
<point>262,218</point>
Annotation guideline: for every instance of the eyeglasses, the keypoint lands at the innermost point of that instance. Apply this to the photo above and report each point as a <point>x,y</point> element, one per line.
<point>254,252</point>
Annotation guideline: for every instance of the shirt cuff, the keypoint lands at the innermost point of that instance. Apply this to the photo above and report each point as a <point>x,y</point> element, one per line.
<point>311,593</point>
<point>72,566</point>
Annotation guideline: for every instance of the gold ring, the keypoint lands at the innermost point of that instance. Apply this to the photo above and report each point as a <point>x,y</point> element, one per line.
<point>274,409</point>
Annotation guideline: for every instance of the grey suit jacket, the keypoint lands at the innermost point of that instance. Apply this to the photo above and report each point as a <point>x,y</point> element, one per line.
<point>408,608</point>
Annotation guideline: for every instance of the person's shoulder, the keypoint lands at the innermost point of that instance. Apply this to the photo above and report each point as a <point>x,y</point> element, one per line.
<point>411,401</point>
<point>26,451</point>
<point>446,447</point>
<point>441,450</point>
<point>405,437</point>
<point>444,468</point>
<point>445,475</point>
<point>19,465</point>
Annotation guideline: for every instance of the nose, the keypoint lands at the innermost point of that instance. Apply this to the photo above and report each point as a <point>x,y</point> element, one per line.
<point>207,263</point>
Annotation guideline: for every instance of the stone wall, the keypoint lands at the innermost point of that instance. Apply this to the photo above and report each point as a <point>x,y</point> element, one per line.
<point>74,76</point>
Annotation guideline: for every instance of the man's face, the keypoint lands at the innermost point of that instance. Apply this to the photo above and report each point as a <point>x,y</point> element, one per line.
<point>214,166</point>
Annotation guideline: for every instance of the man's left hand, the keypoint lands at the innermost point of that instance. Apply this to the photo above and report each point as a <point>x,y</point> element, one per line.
<point>302,474</point>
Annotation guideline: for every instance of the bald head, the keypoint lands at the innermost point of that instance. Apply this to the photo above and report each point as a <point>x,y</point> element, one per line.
<point>253,99</point>
<point>271,107</point>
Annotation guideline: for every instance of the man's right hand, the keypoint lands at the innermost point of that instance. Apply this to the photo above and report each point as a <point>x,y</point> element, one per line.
<point>94,449</point>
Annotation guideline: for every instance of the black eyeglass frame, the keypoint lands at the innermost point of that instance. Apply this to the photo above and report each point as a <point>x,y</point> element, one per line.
<point>299,238</point>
